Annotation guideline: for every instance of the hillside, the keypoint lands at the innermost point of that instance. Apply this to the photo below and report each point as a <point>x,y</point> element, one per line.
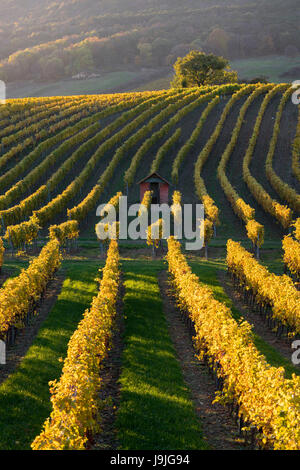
<point>51,140</point>
<point>149,232</point>
<point>137,337</point>
<point>48,40</point>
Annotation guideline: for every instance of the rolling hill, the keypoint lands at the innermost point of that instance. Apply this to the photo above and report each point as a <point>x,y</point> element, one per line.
<point>49,40</point>
<point>121,313</point>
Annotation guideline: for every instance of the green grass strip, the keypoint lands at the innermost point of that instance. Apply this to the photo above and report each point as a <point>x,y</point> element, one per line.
<point>24,396</point>
<point>207,272</point>
<point>12,268</point>
<point>156,410</point>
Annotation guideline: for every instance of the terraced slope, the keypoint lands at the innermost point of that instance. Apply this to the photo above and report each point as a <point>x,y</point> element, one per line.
<point>216,145</point>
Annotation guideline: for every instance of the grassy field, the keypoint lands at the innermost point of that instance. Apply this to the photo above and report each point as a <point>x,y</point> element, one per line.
<point>24,395</point>
<point>157,84</point>
<point>155,406</point>
<point>270,66</point>
<point>156,410</point>
<point>105,83</point>
<point>207,271</point>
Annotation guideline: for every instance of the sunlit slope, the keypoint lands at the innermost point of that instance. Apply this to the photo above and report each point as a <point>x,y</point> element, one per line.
<point>229,147</point>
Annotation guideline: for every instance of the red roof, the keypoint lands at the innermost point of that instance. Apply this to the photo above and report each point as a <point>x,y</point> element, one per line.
<point>151,175</point>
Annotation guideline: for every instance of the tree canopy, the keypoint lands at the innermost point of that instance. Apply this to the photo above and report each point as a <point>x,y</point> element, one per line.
<point>43,39</point>
<point>198,68</point>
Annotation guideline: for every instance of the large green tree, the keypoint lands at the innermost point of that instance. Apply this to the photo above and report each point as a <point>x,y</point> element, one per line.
<point>198,68</point>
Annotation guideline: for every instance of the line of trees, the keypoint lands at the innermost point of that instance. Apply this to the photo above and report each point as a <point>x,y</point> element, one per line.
<point>72,36</point>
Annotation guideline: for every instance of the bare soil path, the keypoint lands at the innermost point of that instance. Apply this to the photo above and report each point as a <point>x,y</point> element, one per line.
<point>110,391</point>
<point>25,337</point>
<point>219,428</point>
<point>282,161</point>
<point>282,345</point>
<point>230,223</point>
<point>235,165</point>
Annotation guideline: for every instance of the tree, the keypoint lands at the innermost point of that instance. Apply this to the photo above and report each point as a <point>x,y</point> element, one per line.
<point>51,67</point>
<point>145,50</point>
<point>181,50</point>
<point>198,68</point>
<point>197,44</point>
<point>266,45</point>
<point>218,41</point>
<point>259,79</point>
<point>82,59</point>
<point>160,49</point>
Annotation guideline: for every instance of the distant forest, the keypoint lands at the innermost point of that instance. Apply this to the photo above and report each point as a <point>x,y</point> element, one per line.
<point>47,39</point>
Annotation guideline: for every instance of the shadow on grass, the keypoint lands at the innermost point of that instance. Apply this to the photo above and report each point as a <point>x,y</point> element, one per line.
<point>208,274</point>
<point>156,410</point>
<point>24,395</point>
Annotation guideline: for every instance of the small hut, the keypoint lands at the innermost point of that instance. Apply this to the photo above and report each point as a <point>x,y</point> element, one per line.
<point>158,185</point>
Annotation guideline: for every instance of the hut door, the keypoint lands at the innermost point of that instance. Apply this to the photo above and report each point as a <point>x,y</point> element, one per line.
<point>155,188</point>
